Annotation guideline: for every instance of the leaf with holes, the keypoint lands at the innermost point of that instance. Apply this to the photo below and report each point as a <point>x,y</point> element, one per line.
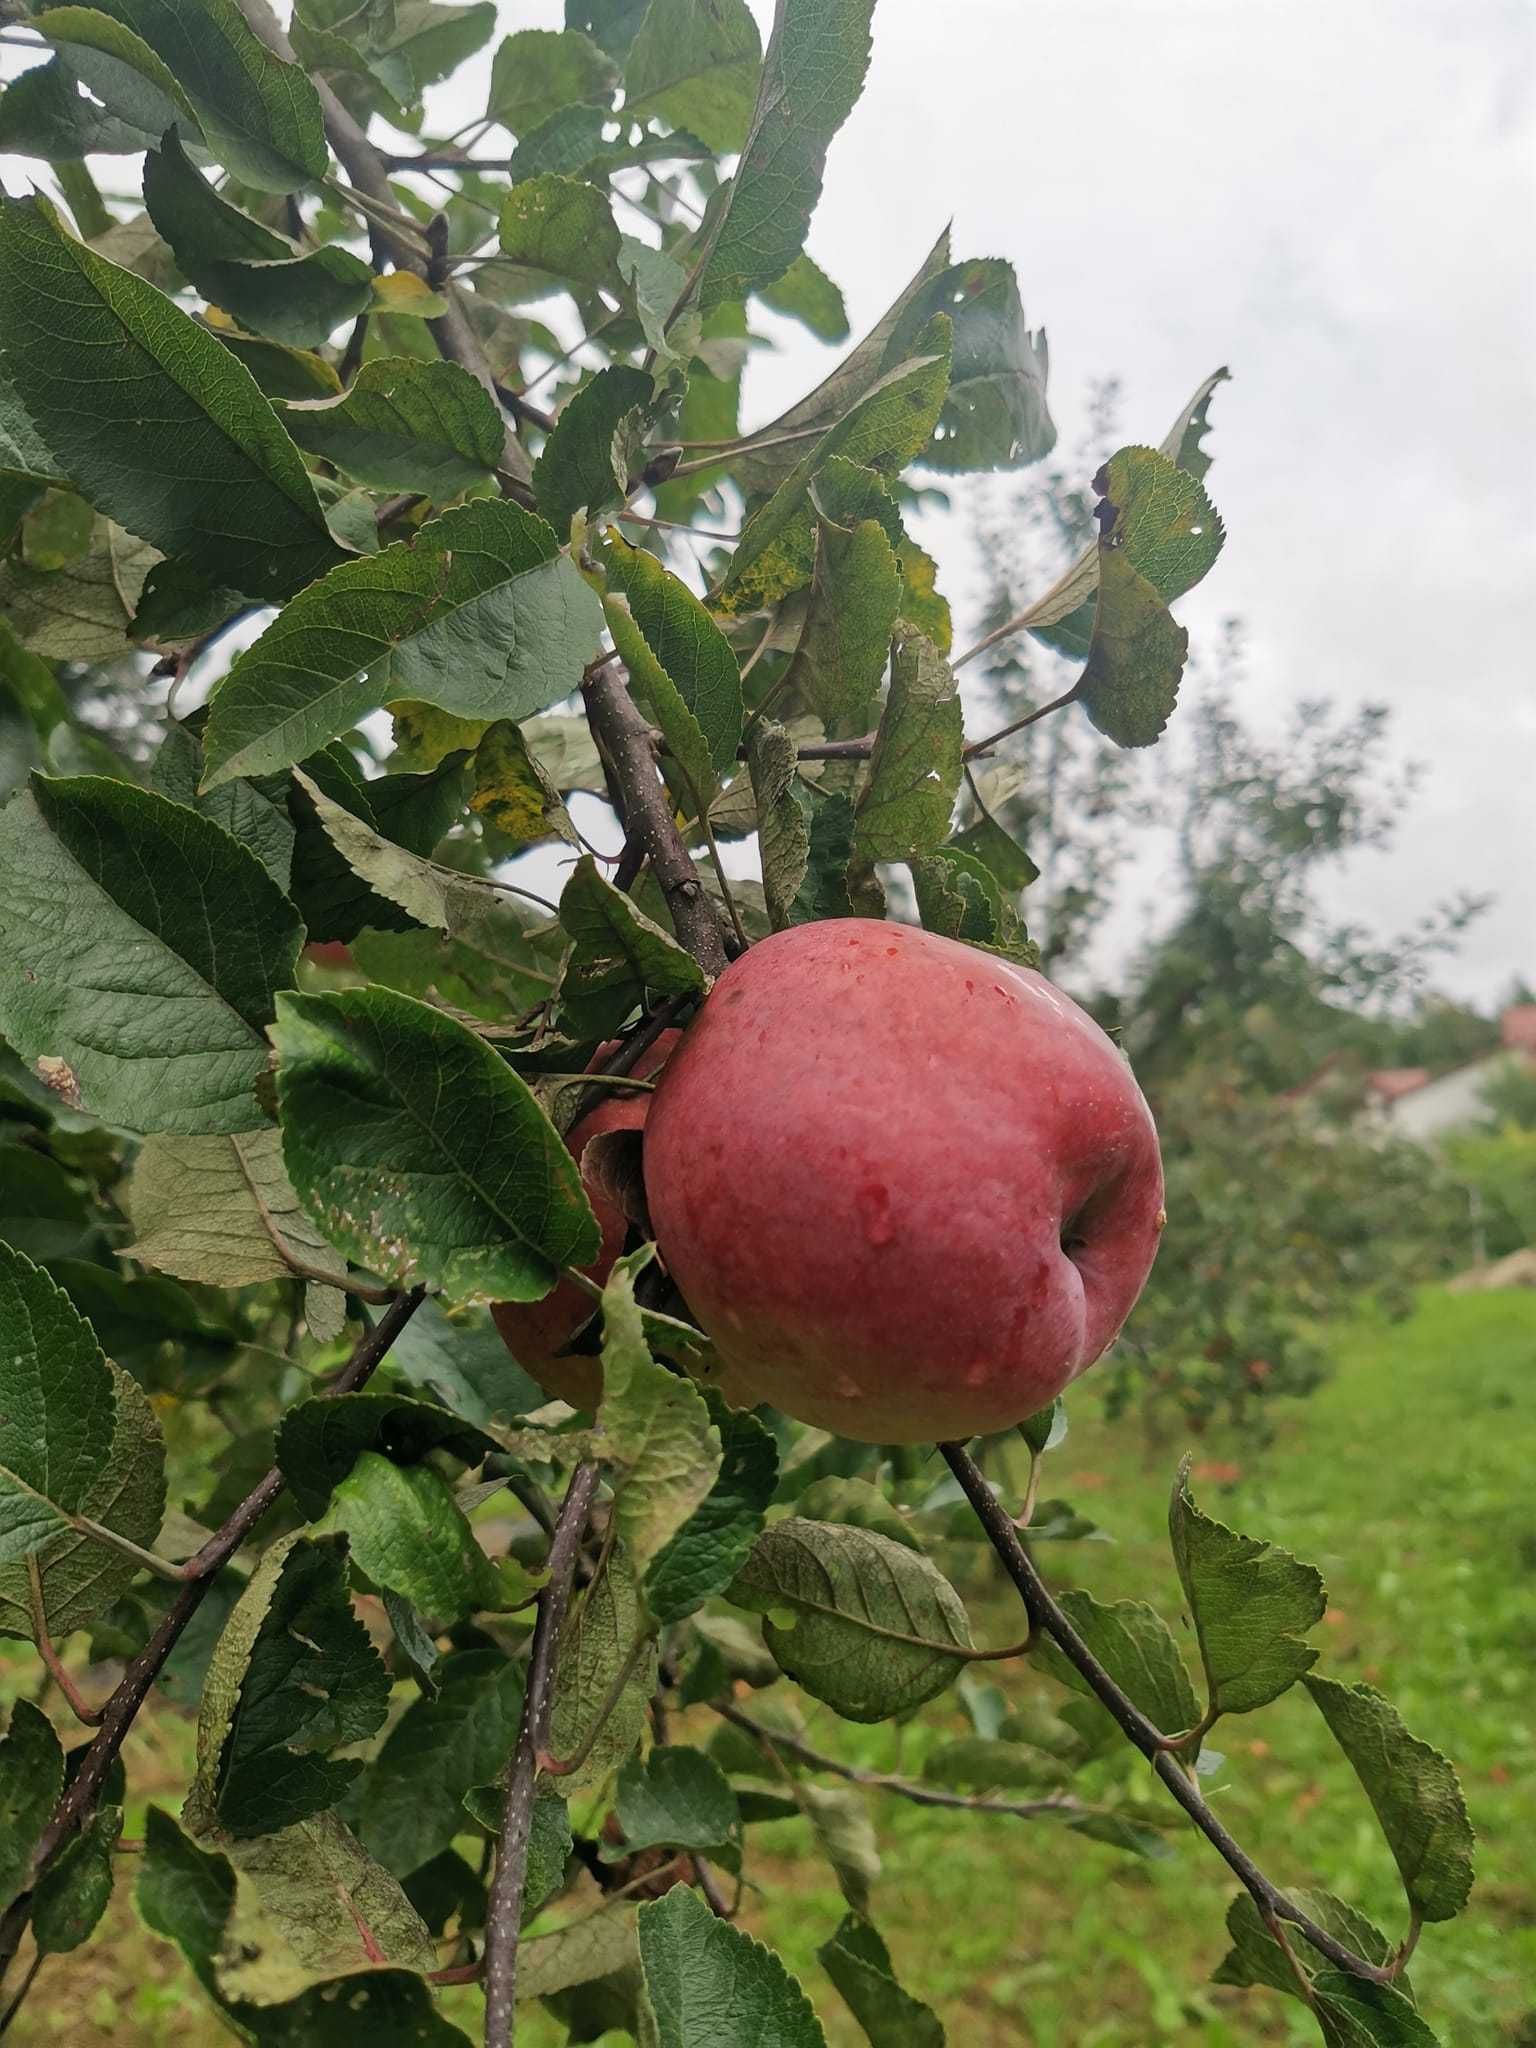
<point>562,227</point>
<point>420,1153</point>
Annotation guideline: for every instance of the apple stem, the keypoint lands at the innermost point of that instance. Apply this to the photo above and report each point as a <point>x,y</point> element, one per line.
<point>1047,1618</point>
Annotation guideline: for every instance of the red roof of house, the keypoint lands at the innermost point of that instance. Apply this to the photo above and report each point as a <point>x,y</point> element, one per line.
<point>1391,1082</point>
<point>1517,1027</point>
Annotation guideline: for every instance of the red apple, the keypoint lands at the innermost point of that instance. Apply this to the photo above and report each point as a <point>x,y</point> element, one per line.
<point>908,1189</point>
<point>537,1332</point>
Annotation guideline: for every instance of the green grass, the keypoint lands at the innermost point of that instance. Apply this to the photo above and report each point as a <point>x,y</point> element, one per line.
<point>1407,1480</point>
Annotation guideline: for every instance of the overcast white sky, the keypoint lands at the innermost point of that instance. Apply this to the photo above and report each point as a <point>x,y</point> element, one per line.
<point>1337,198</point>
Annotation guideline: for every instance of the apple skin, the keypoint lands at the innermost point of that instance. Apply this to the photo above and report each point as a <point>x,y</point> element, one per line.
<point>861,1164</point>
<point>537,1332</point>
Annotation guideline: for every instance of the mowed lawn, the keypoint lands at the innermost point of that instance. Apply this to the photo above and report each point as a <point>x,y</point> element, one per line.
<point>1408,1481</point>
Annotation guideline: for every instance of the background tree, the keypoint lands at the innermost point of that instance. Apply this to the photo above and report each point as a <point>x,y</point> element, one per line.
<point>292,1047</point>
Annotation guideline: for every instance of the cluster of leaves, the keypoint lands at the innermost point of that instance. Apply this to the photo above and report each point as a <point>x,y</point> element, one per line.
<point>285,1040</point>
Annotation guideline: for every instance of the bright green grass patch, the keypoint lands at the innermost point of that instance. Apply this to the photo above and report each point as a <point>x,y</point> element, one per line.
<point>1408,1481</point>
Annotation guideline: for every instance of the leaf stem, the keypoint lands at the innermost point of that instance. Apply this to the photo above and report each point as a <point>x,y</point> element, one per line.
<point>985,746</point>
<point>504,1912</point>
<point>1047,1618</point>
<point>112,1539</point>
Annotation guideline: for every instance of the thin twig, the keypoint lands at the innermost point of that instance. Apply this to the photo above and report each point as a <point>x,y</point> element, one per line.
<point>625,738</point>
<point>1054,1804</point>
<point>985,746</point>
<point>1047,1617</point>
<point>117,1716</point>
<point>504,1911</point>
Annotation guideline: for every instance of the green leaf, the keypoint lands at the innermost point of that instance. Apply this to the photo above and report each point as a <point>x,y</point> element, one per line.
<point>57,1408</point>
<point>187,1894</point>
<point>1131,682</point>
<point>1255,1957</point>
<point>711,1986</point>
<point>1354,2013</point>
<point>813,72</point>
<point>31,1779</point>
<point>293,1677</point>
<point>859,1964</point>
<point>260,116</point>
<point>1063,617</point>
<point>882,431</point>
<point>404,426</point>
<point>408,1533</point>
<point>538,71</point>
<point>80,1576</point>
<point>714,1543</point>
<point>409,1805</point>
<point>975,1763</point>
<point>806,293</point>
<point>464,1364</point>
<point>261,279</point>
<point>1160,516</point>
<point>958,896</point>
<point>844,1835</point>
<point>179,446</point>
<point>914,770</point>
<point>513,794</point>
<point>118,67</point>
<point>656,1425</point>
<point>765,467</point>
<point>44,113</point>
<point>805,837</point>
<point>1136,1647</point>
<point>461,906</point>
<point>420,1153</point>
<point>598,1642</point>
<point>83,611</point>
<point>616,953</point>
<point>695,63</point>
<point>995,416</point>
<point>220,1210</point>
<point>311,1905</point>
<point>845,641</point>
<point>584,464</point>
<point>859,1505</point>
<point>598,1945</point>
<point>563,227</point>
<point>73,1891</point>
<point>860,1622</point>
<point>1046,1429</point>
<point>677,1799</point>
<point>478,614</point>
<point>318,1441</point>
<point>1181,444</point>
<point>680,664</point>
<point>257,818</point>
<point>153,989</point>
<point>571,142</point>
<point>1250,1602</point>
<point>1414,1793</point>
